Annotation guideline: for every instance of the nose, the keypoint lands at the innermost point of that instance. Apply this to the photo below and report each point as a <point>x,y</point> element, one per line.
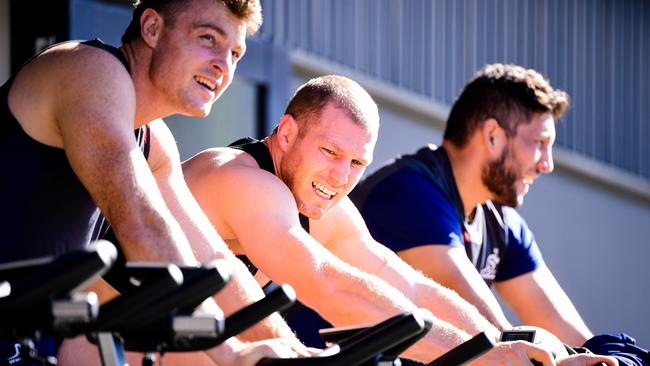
<point>223,64</point>
<point>545,163</point>
<point>340,173</point>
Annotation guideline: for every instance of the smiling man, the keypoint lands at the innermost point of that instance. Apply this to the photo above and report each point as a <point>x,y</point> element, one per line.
<point>448,211</point>
<point>282,202</point>
<point>85,145</point>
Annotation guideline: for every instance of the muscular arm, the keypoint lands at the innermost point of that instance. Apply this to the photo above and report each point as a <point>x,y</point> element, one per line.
<point>94,113</point>
<point>206,243</point>
<point>352,237</point>
<point>352,242</point>
<point>450,267</point>
<point>539,300</point>
<point>258,209</point>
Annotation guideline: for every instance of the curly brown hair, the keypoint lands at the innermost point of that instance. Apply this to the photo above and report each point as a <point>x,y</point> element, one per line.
<point>508,93</point>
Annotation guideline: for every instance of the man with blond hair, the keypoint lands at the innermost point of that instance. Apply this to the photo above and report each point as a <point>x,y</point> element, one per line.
<point>282,202</point>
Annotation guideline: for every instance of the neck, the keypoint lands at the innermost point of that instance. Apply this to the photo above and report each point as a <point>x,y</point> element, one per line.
<point>466,165</point>
<point>150,105</point>
<point>275,151</point>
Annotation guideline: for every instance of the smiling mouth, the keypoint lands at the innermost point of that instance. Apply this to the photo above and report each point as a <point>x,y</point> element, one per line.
<point>208,84</point>
<point>322,191</point>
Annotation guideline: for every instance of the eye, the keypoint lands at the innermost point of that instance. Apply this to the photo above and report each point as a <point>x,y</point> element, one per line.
<point>357,163</point>
<point>207,37</point>
<point>235,55</point>
<point>328,151</point>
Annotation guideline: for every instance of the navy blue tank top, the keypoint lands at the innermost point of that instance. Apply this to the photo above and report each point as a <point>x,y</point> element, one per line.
<point>44,208</point>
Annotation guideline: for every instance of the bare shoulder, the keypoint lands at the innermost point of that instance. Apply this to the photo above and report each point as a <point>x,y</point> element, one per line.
<point>220,157</point>
<point>73,62</point>
<point>231,179</point>
<point>229,168</point>
<point>69,82</point>
<point>90,77</point>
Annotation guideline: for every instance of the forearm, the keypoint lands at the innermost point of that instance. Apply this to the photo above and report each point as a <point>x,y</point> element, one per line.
<point>538,299</point>
<point>444,303</point>
<point>242,290</point>
<point>373,301</point>
<point>441,338</point>
<point>565,323</point>
<point>487,305</point>
<point>152,235</point>
<point>450,307</point>
<point>271,327</point>
<point>226,353</point>
<point>345,296</point>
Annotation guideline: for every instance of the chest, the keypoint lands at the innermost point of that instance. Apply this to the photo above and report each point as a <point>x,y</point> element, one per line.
<point>485,242</point>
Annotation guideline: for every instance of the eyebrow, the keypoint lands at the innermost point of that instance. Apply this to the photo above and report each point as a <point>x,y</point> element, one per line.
<point>337,148</point>
<point>241,48</point>
<point>210,25</point>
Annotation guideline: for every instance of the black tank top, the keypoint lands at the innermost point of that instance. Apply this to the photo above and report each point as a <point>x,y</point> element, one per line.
<point>44,208</point>
<point>262,156</point>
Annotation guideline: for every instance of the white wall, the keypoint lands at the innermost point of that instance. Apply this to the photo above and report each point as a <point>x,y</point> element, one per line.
<point>597,242</point>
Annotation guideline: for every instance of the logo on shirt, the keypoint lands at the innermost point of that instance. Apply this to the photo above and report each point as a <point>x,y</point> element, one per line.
<point>489,270</point>
<point>16,357</point>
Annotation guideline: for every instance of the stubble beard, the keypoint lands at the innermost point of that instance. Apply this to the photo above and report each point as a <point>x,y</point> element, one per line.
<point>500,178</point>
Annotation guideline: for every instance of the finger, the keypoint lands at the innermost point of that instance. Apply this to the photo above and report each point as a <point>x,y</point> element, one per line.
<point>274,348</point>
<point>284,349</point>
<point>533,352</point>
<point>313,351</point>
<point>300,348</point>
<point>610,361</point>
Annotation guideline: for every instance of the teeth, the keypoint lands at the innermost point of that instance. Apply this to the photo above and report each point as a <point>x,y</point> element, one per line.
<point>326,193</point>
<point>207,83</point>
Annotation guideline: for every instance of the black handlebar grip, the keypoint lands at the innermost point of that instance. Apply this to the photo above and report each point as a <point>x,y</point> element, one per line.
<point>199,283</point>
<point>465,352</point>
<point>365,344</point>
<point>277,300</point>
<point>202,282</point>
<point>35,281</point>
<point>120,313</point>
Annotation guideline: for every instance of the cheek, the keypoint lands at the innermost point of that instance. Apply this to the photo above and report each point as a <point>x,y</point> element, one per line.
<point>533,158</point>
<point>355,177</point>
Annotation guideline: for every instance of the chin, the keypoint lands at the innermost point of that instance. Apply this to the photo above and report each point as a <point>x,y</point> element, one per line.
<point>196,112</point>
<point>205,111</point>
<point>519,201</point>
<point>313,212</point>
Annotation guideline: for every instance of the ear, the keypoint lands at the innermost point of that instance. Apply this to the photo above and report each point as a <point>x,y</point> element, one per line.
<point>151,23</point>
<point>494,137</point>
<point>287,132</point>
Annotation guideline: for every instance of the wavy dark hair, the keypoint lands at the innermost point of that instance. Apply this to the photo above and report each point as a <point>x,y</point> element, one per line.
<point>508,93</point>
